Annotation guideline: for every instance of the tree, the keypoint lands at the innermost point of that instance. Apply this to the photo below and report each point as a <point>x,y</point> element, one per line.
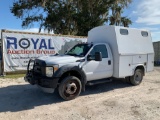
<point>125,21</point>
<point>116,17</point>
<point>91,13</point>
<point>30,11</point>
<point>69,17</point>
<point>60,17</point>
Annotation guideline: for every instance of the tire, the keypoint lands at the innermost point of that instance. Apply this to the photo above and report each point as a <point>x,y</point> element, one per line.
<point>136,79</point>
<point>70,88</point>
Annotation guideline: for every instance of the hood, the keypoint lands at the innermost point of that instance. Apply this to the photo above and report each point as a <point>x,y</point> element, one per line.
<point>60,59</point>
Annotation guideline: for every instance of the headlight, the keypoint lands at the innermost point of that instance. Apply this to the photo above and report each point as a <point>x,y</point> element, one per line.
<point>30,63</point>
<point>51,70</point>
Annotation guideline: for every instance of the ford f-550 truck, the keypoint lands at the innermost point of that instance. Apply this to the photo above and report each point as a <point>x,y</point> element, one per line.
<point>111,52</point>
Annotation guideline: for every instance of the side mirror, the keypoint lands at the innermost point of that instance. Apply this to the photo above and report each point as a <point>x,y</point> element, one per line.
<point>89,58</point>
<point>98,56</point>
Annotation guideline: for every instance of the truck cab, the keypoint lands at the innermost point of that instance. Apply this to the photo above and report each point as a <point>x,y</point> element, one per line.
<point>117,54</point>
<point>84,62</point>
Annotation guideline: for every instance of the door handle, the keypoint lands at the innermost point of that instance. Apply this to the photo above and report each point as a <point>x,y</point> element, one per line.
<point>109,62</point>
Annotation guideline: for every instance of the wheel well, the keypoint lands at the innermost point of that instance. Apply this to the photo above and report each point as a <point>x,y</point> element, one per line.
<point>70,73</point>
<point>141,68</point>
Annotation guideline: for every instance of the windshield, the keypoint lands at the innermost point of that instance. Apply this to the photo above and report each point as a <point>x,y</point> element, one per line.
<point>79,50</point>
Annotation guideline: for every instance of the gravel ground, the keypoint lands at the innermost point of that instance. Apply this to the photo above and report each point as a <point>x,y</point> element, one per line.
<point>110,101</point>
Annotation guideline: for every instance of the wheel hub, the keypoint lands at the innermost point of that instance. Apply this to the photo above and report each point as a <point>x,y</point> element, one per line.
<point>138,77</point>
<point>71,88</point>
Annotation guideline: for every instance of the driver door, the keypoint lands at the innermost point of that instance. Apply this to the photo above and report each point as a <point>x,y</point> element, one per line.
<point>99,69</point>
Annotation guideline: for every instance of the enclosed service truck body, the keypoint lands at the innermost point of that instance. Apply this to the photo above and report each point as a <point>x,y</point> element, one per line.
<point>130,48</point>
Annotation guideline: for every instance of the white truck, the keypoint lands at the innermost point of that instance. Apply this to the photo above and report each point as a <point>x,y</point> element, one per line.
<point>111,52</point>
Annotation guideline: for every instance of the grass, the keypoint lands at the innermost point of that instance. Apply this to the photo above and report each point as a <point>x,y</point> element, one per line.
<point>14,76</point>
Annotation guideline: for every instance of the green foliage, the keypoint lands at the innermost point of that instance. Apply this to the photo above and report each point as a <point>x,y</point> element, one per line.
<point>69,17</point>
<point>117,9</point>
<point>13,76</point>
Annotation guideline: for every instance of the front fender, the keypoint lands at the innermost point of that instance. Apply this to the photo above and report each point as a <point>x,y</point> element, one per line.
<point>67,68</point>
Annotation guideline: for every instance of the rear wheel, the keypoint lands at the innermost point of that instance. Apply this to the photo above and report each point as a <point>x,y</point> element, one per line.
<point>70,88</point>
<point>136,79</point>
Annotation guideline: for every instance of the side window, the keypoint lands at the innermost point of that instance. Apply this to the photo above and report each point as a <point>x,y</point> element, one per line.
<point>124,31</point>
<point>100,48</point>
<point>144,34</point>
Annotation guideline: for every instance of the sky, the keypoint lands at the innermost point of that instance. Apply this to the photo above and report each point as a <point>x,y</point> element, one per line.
<point>145,14</point>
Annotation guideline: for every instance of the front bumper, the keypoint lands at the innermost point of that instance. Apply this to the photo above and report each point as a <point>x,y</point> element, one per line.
<point>42,81</point>
<point>45,83</point>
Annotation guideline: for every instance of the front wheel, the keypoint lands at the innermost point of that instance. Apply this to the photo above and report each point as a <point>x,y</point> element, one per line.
<point>70,88</point>
<point>136,79</point>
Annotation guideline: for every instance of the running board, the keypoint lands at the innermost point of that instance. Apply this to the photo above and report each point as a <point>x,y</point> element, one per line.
<point>94,82</point>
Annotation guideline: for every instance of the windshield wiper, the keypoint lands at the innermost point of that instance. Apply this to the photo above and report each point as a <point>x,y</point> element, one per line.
<point>71,54</point>
<point>75,55</point>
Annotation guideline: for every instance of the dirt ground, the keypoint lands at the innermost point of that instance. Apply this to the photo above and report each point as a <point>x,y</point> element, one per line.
<point>110,101</point>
